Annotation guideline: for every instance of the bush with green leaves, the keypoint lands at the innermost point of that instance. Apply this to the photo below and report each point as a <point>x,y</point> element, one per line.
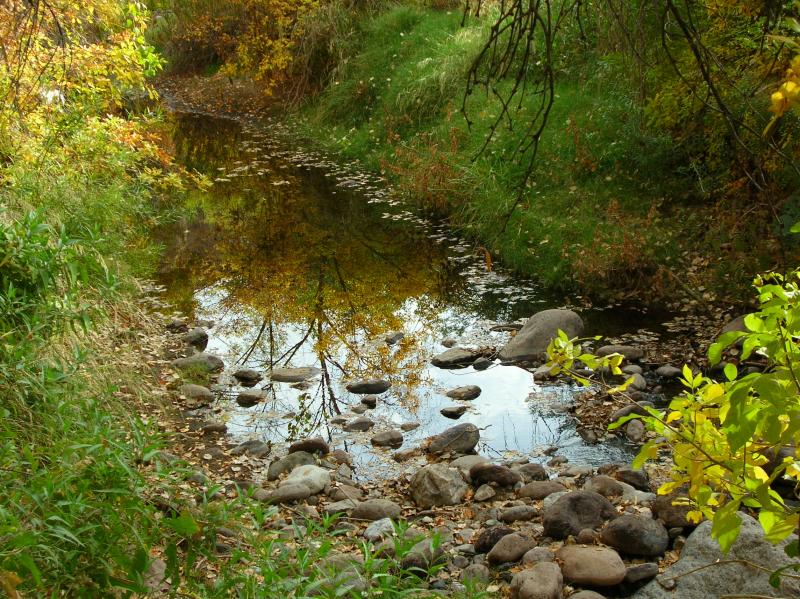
<point>730,440</point>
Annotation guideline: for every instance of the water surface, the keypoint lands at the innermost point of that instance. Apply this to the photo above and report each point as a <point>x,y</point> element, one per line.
<point>301,261</point>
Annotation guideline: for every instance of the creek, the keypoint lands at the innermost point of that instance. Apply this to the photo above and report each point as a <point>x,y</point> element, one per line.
<point>302,261</point>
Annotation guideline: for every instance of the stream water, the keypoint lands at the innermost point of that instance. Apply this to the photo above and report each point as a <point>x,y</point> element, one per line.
<point>301,261</point>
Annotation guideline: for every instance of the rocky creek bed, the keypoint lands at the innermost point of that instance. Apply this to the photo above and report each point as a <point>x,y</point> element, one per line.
<point>342,354</point>
<point>529,530</point>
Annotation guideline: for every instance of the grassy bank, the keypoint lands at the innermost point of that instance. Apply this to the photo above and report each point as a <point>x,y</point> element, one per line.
<point>613,209</point>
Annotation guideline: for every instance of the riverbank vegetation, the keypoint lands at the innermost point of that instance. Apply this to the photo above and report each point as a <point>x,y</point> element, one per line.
<point>629,152</point>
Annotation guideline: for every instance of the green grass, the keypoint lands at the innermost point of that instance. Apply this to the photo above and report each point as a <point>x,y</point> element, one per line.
<point>604,212</point>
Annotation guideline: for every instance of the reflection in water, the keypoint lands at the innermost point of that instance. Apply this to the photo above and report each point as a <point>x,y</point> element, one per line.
<point>301,262</point>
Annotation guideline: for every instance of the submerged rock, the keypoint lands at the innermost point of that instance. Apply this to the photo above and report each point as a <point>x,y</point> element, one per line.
<point>455,358</point>
<point>453,412</point>
<point>250,397</point>
<point>392,439</point>
<point>369,386</point>
<point>294,375</point>
<point>465,393</point>
<point>248,376</point>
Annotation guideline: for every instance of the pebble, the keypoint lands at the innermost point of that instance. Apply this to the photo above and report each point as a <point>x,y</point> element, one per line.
<point>484,493</point>
<point>376,509</point>
<point>510,548</point>
<point>453,412</point>
<point>392,439</point>
<point>465,393</point>
<point>591,565</point>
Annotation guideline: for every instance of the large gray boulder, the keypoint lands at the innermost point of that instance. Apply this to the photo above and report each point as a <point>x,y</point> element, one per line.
<point>437,484</point>
<point>688,577</point>
<point>533,338</point>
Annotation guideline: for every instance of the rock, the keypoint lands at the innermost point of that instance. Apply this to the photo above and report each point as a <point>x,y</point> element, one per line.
<point>604,485</point>
<point>361,424</point>
<point>538,554</point>
<point>250,397</point>
<point>543,581</point>
<point>284,494</point>
<point>379,530</point>
<point>476,573</point>
<point>453,412</point>
<point>481,363</point>
<point>638,536</point>
<point>531,472</point>
<point>672,516</point>
<point>422,557</point>
<point>248,376</point>
<point>530,343</point>
<point>340,456</point>
<point>540,489</point>
<point>313,477</point>
<point>668,372</point>
<point>494,473</point>
<point>199,395</point>
<point>342,492</point>
<point>735,579</point>
<point>639,383</point>
<point>552,498</point>
<point>405,454</point>
<point>465,462</point>
<point>586,537</point>
<point>310,445</point>
<point>461,438</point>
<point>575,511</point>
<point>376,509</point>
<point>254,447</point>
<point>345,505</point>
<point>211,427</point>
<point>489,537</point>
<point>484,493</point>
<point>388,439</point>
<point>454,358</point>
<point>177,325</point>
<point>510,548</point>
<point>591,565</point>
<point>465,393</point>
<point>289,463</point>
<point>635,431</point>
<point>436,485</point>
<point>630,352</point>
<point>632,408</point>
<point>359,409</point>
<point>339,420</point>
<point>393,337</point>
<point>517,512</point>
<point>203,363</point>
<point>294,375</point>
<point>195,337</point>
<point>409,426</point>
<point>369,386</point>
<point>371,401</point>
<point>636,478</point>
<point>640,572</point>
<point>632,369</point>
<point>587,595</point>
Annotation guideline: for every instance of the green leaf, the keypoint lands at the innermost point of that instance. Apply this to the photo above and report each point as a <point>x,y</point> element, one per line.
<point>777,526</point>
<point>731,372</point>
<point>184,524</point>
<point>649,451</point>
<point>795,228</point>
<point>726,525</point>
